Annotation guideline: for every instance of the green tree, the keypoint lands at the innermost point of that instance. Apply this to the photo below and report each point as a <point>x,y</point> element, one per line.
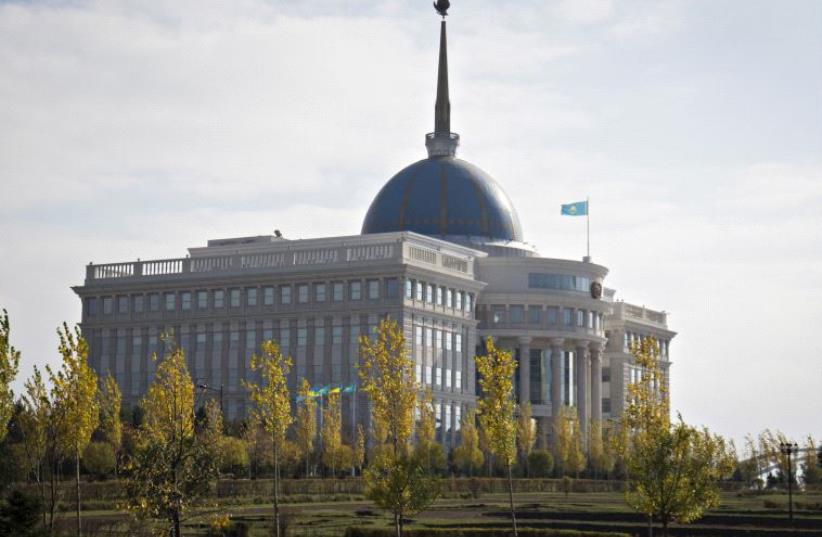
<point>98,459</point>
<point>111,426</point>
<point>526,434</point>
<point>673,470</point>
<point>173,463</point>
<point>496,410</point>
<point>468,455</point>
<point>332,433</point>
<point>272,407</point>
<point>811,471</point>
<point>540,462</point>
<point>306,423</point>
<point>74,387</point>
<point>9,365</point>
<point>394,481</point>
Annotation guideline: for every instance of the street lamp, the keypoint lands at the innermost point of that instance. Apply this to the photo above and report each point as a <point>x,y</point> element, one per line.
<point>206,387</point>
<point>789,449</point>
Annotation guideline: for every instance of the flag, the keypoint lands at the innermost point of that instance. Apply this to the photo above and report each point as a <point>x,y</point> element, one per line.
<point>323,390</point>
<point>579,208</point>
<point>351,388</point>
<point>335,390</point>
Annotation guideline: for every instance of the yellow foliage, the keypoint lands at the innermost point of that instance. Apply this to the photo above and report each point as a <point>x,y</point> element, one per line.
<point>306,426</point>
<point>332,432</point>
<point>9,365</point>
<point>496,405</point>
<point>110,400</point>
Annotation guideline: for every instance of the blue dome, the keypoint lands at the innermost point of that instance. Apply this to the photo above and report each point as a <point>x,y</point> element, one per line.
<point>444,197</point>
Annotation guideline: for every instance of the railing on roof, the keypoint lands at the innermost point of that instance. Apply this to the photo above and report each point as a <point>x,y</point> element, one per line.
<point>643,313</point>
<point>344,254</point>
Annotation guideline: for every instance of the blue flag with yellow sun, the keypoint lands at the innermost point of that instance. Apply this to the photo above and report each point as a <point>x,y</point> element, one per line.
<point>579,208</point>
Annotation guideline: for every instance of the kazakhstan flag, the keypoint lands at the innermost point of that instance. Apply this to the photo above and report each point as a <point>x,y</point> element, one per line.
<point>579,208</point>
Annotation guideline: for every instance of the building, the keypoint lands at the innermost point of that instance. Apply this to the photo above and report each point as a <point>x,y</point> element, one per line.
<point>441,250</point>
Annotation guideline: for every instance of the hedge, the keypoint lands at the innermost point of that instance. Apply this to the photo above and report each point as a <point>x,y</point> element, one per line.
<point>468,532</point>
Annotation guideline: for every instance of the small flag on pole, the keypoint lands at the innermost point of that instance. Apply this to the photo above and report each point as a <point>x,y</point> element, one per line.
<point>579,208</point>
<point>351,388</point>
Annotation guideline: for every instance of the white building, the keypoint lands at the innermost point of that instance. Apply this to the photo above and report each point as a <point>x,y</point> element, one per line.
<point>441,251</point>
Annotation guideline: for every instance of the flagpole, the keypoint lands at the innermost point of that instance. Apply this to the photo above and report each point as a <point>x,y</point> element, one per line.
<point>588,224</point>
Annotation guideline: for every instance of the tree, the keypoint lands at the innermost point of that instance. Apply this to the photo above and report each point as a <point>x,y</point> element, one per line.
<point>9,365</point>
<point>19,515</point>
<point>173,463</point>
<point>468,455</point>
<point>98,458</point>
<point>540,462</point>
<point>811,471</point>
<point>75,401</point>
<point>600,455</point>
<point>673,470</point>
<point>37,430</point>
<point>567,444</point>
<point>428,449</point>
<point>496,410</point>
<point>358,455</point>
<point>272,407</point>
<point>110,401</point>
<point>394,481</point>
<point>306,426</point>
<point>233,455</point>
<point>332,433</point>
<point>526,434</point>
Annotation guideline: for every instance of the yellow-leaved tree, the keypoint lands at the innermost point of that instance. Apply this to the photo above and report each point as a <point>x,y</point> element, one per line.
<point>394,480</point>
<point>496,410</point>
<point>42,455</point>
<point>272,407</point>
<point>673,469</point>
<point>110,401</point>
<point>570,459</point>
<point>9,364</point>
<point>428,449</point>
<point>526,433</point>
<point>332,433</point>
<point>358,458</point>
<point>468,455</point>
<point>306,423</point>
<point>600,454</point>
<point>74,388</point>
<point>173,464</point>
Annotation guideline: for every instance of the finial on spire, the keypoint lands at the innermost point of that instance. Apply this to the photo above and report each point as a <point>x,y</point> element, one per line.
<point>442,142</point>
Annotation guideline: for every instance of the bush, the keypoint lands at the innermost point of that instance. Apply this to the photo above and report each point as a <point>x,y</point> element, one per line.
<point>98,459</point>
<point>20,515</point>
<point>468,532</point>
<point>540,463</point>
<point>233,456</point>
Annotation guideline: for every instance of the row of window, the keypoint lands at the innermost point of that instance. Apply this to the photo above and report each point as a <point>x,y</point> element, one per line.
<point>250,297</point>
<point>518,314</point>
<point>439,295</point>
<point>632,338</point>
<point>565,282</point>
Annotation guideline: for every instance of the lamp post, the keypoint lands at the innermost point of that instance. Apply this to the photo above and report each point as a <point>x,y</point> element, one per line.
<point>789,449</point>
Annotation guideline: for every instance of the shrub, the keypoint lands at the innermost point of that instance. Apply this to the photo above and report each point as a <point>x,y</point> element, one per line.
<point>20,515</point>
<point>98,459</point>
<point>469,532</point>
<point>540,463</point>
<point>233,455</point>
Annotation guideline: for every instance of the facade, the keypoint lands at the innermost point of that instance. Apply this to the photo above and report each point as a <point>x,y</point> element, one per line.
<point>441,251</point>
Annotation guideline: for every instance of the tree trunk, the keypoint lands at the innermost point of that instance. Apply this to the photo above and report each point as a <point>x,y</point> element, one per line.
<point>511,499</point>
<point>276,490</point>
<point>53,494</point>
<point>77,485</point>
<point>397,527</point>
<point>175,520</point>
<point>650,525</point>
<point>665,527</point>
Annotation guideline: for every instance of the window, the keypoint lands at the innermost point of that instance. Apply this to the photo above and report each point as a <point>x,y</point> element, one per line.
<point>497,314</point>
<point>437,338</point>
<point>580,317</point>
<point>319,335</point>
<point>251,296</point>
<point>153,302</point>
<point>185,300</point>
<point>534,314</point>
<point>338,292</point>
<point>234,298</point>
<point>429,339</point>
<point>516,313</point>
<point>302,337</point>
<point>448,340</point>
<point>439,296</point>
<point>469,303</point>
<point>107,305</point>
<point>302,294</point>
<point>285,337</point>
<point>356,290</point>
<point>373,289</point>
<point>606,374</point>
<point>552,315</point>
<point>268,296</point>
<point>319,292</point>
<point>439,376</point>
<point>418,336</point>
<point>91,306</point>
<point>285,294</point>
<point>449,298</point>
<point>606,405</point>
<point>567,316</point>
<point>202,299</point>
<point>429,294</point>
<point>409,289</point>
<point>558,281</point>
<point>418,291</point>
<point>591,321</point>
<point>391,288</point>
<point>171,302</point>
<point>137,303</point>
<point>219,298</point>
<point>336,335</point>
<point>122,304</point>
<point>458,342</point>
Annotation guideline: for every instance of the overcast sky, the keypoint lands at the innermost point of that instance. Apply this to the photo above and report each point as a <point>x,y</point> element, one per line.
<point>138,129</point>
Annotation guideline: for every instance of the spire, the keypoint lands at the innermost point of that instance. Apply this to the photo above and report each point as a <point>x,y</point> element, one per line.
<point>442,142</point>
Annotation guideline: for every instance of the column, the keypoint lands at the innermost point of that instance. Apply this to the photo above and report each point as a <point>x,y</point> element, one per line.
<point>524,369</point>
<point>556,376</point>
<point>583,380</point>
<point>596,381</point>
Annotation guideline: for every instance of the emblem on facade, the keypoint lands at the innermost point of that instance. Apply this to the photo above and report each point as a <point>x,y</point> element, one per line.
<point>596,290</point>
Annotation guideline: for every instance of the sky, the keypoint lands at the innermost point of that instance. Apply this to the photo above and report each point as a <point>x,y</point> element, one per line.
<point>137,129</point>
